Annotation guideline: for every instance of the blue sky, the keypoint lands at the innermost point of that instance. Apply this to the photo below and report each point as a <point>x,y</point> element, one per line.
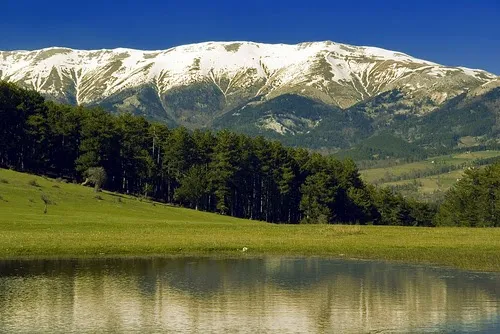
<point>458,32</point>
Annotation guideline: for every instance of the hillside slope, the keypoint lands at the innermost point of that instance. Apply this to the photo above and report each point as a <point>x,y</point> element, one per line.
<point>80,222</point>
<point>78,225</point>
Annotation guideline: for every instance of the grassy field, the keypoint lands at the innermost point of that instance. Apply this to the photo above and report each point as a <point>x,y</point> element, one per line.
<point>374,174</point>
<point>81,223</point>
<point>428,186</point>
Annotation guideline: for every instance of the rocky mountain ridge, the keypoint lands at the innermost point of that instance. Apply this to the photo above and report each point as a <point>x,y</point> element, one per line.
<point>213,84</point>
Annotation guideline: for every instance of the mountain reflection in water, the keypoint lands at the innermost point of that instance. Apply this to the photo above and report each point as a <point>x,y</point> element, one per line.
<point>209,295</point>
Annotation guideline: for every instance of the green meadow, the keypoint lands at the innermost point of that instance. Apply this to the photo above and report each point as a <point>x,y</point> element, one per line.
<point>431,184</point>
<point>427,184</point>
<point>82,223</point>
<point>374,174</point>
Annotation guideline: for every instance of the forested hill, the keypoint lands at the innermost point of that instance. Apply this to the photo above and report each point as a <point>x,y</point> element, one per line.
<point>221,172</point>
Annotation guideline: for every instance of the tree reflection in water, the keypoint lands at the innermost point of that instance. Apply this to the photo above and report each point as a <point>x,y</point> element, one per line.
<point>243,295</point>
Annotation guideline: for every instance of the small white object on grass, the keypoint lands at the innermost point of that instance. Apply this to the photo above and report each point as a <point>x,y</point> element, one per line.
<point>244,249</point>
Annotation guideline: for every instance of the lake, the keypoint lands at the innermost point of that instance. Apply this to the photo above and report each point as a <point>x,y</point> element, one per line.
<point>267,295</point>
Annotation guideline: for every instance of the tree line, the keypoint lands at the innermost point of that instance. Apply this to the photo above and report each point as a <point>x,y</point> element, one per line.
<point>474,201</point>
<point>221,172</point>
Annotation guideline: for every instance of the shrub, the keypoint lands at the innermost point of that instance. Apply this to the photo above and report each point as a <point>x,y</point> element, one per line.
<point>5,181</point>
<point>97,176</point>
<point>34,183</point>
<point>46,201</point>
<point>321,219</point>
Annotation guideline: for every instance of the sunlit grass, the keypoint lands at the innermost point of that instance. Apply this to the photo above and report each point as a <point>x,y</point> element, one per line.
<point>78,224</point>
<point>374,174</point>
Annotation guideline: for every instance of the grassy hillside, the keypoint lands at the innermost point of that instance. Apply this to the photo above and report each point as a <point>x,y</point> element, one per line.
<point>431,184</point>
<point>82,223</point>
<point>382,175</point>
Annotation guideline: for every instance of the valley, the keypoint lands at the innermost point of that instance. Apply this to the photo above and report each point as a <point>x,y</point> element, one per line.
<point>249,167</point>
<point>429,178</point>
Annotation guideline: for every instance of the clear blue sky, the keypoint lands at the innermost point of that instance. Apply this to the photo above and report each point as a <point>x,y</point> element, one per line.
<point>449,32</point>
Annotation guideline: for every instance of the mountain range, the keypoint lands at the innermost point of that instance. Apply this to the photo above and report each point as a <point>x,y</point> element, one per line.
<point>318,94</point>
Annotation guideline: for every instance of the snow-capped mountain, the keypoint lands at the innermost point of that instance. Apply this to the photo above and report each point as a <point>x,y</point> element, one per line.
<point>195,84</point>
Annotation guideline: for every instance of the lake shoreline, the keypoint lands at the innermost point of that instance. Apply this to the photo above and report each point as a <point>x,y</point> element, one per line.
<point>238,255</point>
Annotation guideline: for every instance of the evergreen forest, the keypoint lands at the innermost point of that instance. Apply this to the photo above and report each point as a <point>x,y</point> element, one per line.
<point>224,172</point>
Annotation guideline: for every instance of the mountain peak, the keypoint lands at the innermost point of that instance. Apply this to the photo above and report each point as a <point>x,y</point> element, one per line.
<point>227,74</point>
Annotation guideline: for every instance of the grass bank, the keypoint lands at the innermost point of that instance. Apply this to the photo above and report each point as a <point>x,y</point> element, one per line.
<point>81,223</point>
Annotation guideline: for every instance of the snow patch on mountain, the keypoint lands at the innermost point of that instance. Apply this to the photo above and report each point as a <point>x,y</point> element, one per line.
<point>338,74</point>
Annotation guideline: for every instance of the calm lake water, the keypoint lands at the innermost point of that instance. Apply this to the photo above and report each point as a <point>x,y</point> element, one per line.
<point>271,295</point>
